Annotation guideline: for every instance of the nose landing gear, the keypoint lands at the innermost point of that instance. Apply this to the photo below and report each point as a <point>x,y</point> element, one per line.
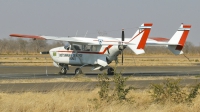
<point>63,71</point>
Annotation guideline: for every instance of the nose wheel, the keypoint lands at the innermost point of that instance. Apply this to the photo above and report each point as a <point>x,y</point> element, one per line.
<point>110,71</point>
<point>63,71</point>
<point>78,71</point>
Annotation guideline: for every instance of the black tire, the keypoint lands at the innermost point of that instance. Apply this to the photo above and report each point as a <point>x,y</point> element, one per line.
<point>63,71</point>
<point>78,71</point>
<point>110,71</point>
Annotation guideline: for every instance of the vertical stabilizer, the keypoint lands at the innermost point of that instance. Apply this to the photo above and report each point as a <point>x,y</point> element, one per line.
<point>139,38</point>
<point>178,40</point>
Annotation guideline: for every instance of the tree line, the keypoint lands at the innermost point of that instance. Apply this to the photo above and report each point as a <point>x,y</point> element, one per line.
<point>27,46</point>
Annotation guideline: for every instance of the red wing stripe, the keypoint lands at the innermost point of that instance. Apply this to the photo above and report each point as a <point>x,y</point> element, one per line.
<point>26,36</point>
<point>159,39</point>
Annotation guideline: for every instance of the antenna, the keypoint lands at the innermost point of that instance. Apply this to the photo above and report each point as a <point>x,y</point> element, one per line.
<point>86,33</point>
<point>76,33</point>
<point>102,33</point>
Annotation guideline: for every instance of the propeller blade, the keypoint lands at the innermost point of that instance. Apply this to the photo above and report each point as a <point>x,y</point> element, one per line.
<point>122,46</point>
<point>44,52</point>
<point>122,34</point>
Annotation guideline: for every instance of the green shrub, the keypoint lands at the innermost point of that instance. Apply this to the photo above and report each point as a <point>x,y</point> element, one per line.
<point>119,91</point>
<point>171,91</point>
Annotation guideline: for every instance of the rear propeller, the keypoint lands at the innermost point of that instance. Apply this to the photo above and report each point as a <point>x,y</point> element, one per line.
<point>122,46</point>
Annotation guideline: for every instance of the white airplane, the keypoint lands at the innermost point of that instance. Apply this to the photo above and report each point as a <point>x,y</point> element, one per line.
<point>96,52</point>
<point>104,50</point>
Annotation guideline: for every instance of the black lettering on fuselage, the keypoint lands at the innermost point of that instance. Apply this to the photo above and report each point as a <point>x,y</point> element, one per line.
<point>70,55</point>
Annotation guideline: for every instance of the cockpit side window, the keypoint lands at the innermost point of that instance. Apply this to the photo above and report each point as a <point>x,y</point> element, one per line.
<point>76,47</point>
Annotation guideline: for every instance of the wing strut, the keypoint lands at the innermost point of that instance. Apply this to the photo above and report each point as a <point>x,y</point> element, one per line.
<point>77,55</point>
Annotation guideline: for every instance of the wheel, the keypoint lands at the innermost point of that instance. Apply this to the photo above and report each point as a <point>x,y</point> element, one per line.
<point>110,71</point>
<point>78,71</point>
<point>63,71</point>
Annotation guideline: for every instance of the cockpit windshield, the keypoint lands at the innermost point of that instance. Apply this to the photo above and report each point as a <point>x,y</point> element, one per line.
<point>77,47</point>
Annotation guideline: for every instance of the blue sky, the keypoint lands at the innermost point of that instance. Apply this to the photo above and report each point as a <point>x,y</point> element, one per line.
<point>65,17</point>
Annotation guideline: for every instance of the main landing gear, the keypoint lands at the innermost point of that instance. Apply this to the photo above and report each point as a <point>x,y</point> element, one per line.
<point>63,70</point>
<point>78,71</point>
<point>110,71</point>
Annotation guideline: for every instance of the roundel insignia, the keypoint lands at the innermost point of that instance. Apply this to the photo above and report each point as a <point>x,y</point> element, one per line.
<point>100,41</point>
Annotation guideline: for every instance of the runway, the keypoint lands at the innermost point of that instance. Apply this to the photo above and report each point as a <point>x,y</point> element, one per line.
<point>27,72</point>
<point>11,73</point>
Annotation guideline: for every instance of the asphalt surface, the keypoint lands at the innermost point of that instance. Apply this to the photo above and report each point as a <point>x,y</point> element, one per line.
<point>27,72</point>
<point>49,72</point>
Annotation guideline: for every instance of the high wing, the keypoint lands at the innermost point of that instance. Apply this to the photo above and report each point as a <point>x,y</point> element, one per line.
<point>136,43</point>
<point>75,40</point>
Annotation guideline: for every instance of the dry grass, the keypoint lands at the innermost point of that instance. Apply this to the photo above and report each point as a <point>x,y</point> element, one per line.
<point>129,60</point>
<point>76,101</point>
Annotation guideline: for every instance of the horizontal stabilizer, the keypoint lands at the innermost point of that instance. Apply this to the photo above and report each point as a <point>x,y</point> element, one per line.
<point>135,50</point>
<point>172,48</point>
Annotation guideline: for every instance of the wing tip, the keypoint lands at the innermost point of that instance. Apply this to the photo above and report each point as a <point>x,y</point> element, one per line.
<point>26,36</point>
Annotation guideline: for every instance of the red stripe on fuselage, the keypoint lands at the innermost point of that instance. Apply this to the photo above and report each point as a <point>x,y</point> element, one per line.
<point>88,52</point>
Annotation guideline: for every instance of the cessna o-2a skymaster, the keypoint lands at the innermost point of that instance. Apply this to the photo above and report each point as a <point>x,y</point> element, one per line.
<point>101,51</point>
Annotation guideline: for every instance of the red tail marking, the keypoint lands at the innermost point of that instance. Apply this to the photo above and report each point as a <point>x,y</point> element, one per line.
<point>186,26</point>
<point>148,24</point>
<point>182,40</point>
<point>144,39</point>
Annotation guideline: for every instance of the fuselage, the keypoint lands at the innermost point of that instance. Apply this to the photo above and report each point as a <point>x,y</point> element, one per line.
<point>101,55</point>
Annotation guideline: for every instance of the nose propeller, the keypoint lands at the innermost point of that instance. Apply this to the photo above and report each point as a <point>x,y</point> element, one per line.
<point>44,52</point>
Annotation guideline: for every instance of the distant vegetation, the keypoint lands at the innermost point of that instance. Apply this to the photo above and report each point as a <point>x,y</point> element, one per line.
<point>27,46</point>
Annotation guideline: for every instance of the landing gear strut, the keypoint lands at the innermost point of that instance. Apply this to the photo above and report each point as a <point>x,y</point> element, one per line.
<point>78,71</point>
<point>110,71</point>
<point>63,71</point>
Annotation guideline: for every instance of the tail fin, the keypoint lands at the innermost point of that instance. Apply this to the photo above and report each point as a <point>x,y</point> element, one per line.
<point>177,41</point>
<point>139,38</point>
